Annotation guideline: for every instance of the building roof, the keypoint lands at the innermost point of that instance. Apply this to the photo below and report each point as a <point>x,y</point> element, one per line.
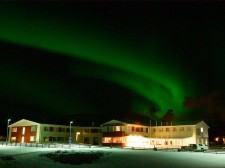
<point>113,122</point>
<point>24,122</point>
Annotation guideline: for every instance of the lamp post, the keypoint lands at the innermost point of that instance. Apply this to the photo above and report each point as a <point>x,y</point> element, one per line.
<point>70,138</point>
<point>7,130</point>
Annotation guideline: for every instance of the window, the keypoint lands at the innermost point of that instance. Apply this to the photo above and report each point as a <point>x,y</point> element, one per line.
<point>13,139</point>
<point>137,129</point>
<point>51,129</point>
<point>141,129</point>
<point>46,139</point>
<point>132,129</point>
<point>167,129</point>
<point>59,129</point>
<point>94,130</point>
<point>14,129</point>
<point>46,128</point>
<point>181,128</point>
<point>201,129</point>
<point>86,140</point>
<point>146,130</point>
<point>60,139</point>
<point>33,128</point>
<point>52,138</point>
<point>107,140</point>
<point>188,128</point>
<point>86,130</point>
<point>174,128</point>
<point>109,128</point>
<point>23,131</point>
<point>68,130</point>
<point>118,128</point>
<point>32,138</point>
<point>198,132</point>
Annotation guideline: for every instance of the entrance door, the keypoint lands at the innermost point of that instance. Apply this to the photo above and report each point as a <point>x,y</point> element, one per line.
<point>95,141</point>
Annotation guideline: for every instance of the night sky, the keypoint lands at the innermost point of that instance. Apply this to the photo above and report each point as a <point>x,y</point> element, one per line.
<point>96,61</point>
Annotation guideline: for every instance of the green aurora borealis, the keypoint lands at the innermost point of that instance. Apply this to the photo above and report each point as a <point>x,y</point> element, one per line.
<point>148,68</point>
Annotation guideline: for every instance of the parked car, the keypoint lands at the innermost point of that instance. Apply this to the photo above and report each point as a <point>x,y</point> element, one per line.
<point>194,147</point>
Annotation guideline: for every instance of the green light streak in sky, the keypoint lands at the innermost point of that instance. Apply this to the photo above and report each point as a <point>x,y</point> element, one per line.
<point>102,48</point>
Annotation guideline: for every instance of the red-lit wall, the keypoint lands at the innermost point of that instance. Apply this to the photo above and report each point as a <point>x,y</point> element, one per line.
<point>113,134</point>
<point>19,134</point>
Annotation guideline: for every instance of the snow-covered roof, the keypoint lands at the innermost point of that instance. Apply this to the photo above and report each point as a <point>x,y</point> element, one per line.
<point>24,122</point>
<point>113,122</point>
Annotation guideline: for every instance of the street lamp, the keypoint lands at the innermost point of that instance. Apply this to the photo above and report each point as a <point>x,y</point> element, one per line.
<point>7,130</point>
<point>70,138</point>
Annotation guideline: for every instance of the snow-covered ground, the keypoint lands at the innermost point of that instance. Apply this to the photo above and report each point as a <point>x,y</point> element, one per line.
<point>124,158</point>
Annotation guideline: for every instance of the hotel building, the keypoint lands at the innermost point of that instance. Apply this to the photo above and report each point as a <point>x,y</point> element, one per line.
<point>112,133</point>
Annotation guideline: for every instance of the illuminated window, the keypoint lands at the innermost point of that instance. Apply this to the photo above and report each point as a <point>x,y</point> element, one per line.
<point>22,140</point>
<point>46,139</point>
<point>201,129</point>
<point>129,128</point>
<point>23,131</point>
<point>217,139</point>
<point>77,135</point>
<point>32,138</point>
<point>13,139</point>
<point>107,140</point>
<point>118,128</point>
<point>33,128</point>
<point>14,129</point>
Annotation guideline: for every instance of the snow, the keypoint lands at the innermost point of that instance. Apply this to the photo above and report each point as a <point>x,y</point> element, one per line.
<point>113,157</point>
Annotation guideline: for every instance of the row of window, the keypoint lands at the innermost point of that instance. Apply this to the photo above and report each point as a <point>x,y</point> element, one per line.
<point>58,129</point>
<point>113,140</point>
<point>54,139</point>
<point>32,139</point>
<point>121,128</point>
<point>112,128</point>
<point>32,128</point>
<point>167,129</point>
<point>93,130</point>
<point>138,129</point>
